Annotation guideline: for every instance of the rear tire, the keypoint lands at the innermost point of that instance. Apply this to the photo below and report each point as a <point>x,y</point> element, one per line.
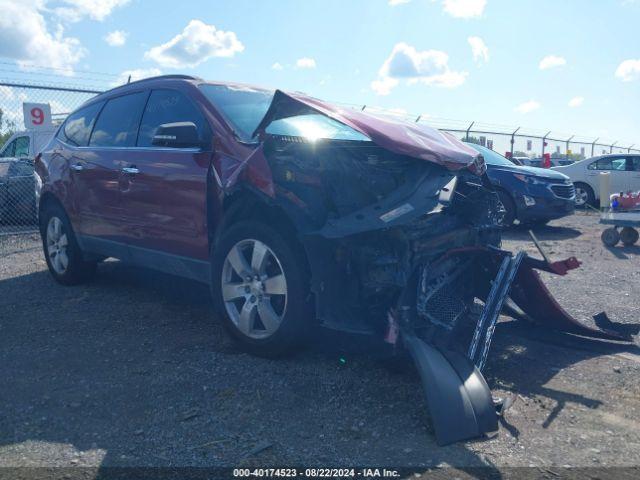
<point>584,195</point>
<point>629,236</point>
<point>264,304</point>
<point>610,237</point>
<point>510,209</point>
<point>61,250</point>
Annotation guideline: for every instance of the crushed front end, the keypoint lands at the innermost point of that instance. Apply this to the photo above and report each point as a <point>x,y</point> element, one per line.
<point>407,249</point>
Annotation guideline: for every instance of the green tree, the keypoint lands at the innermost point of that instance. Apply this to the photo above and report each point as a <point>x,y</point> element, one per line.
<point>7,128</point>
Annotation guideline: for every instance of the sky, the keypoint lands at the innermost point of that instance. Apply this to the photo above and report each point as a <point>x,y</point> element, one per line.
<point>570,66</point>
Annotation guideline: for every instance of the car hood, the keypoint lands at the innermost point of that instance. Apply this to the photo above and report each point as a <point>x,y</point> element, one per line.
<point>524,170</point>
<point>396,135</point>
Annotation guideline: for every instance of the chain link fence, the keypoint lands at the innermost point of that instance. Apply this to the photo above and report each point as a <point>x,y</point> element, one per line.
<point>18,148</point>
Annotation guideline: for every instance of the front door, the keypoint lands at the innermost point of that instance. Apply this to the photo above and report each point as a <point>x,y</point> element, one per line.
<point>164,189</point>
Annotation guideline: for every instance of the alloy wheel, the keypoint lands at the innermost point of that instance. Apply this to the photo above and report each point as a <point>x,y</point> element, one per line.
<point>57,243</point>
<point>582,197</point>
<point>254,289</point>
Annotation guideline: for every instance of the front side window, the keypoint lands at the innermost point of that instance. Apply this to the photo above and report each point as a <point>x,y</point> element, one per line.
<point>22,147</point>
<point>242,107</point>
<point>314,127</point>
<point>169,107</point>
<point>609,163</point>
<point>9,150</point>
<point>77,128</point>
<point>117,125</point>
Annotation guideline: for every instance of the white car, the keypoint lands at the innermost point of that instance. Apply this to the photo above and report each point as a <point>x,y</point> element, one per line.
<point>624,171</point>
<point>26,144</point>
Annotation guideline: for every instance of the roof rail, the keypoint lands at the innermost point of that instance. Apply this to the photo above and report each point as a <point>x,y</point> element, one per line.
<point>168,77</point>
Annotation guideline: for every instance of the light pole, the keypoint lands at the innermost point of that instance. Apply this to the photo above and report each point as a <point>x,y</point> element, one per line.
<point>513,140</point>
<point>593,146</point>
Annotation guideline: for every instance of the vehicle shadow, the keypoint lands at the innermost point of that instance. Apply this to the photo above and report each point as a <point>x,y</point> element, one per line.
<point>546,232</point>
<point>133,369</point>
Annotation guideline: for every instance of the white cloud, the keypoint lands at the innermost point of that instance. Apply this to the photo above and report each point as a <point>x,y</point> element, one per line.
<point>576,102</point>
<point>277,66</point>
<point>430,67</point>
<point>629,70</point>
<point>197,43</point>
<point>528,107</point>
<point>306,62</point>
<point>76,10</point>
<point>26,38</point>
<point>395,3</point>
<point>117,38</point>
<point>464,8</point>
<point>551,61</point>
<point>136,74</point>
<point>479,49</point>
<point>384,85</point>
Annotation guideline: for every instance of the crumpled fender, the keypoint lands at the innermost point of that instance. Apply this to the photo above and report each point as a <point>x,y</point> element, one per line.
<point>532,296</point>
<point>254,169</point>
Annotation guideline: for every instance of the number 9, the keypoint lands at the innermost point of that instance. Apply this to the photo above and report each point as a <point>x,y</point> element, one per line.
<point>37,116</point>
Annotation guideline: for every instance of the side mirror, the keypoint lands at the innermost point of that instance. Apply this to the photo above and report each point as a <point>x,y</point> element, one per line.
<point>177,135</point>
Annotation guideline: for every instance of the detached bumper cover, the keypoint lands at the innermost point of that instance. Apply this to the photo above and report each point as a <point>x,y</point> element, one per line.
<point>458,397</point>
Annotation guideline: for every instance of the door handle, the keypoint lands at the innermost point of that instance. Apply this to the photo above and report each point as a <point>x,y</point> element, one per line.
<point>78,167</point>
<point>131,170</point>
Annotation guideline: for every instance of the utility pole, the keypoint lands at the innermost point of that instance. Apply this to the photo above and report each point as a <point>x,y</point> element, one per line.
<point>629,149</point>
<point>593,146</point>
<point>612,145</point>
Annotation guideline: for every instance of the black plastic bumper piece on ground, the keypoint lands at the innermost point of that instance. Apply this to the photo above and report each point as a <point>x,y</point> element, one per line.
<point>459,399</point>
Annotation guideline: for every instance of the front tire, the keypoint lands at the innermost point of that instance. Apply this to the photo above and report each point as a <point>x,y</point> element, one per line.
<point>61,251</point>
<point>510,209</point>
<point>584,195</point>
<point>260,287</point>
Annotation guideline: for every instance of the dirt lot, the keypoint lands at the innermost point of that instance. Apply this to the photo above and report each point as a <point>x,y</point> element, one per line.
<point>134,370</point>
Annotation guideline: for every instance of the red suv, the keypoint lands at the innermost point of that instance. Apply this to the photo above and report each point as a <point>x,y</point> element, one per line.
<point>296,210</point>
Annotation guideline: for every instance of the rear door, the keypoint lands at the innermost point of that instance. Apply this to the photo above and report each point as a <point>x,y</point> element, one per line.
<point>616,166</point>
<point>164,189</point>
<point>77,182</point>
<point>113,135</point>
<point>633,165</point>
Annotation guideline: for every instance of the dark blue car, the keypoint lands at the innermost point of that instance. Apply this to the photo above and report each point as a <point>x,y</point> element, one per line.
<point>531,195</point>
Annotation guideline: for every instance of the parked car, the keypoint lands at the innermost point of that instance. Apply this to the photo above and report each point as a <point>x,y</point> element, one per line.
<point>17,191</point>
<point>296,211</point>
<point>25,144</point>
<point>530,195</point>
<point>623,169</point>
<point>537,162</point>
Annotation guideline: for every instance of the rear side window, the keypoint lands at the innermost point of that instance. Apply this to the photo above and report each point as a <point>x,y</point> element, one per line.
<point>117,125</point>
<point>609,163</point>
<point>77,128</point>
<point>22,147</point>
<point>166,107</point>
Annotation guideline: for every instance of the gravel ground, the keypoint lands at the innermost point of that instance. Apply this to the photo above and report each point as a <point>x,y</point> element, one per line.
<point>133,370</point>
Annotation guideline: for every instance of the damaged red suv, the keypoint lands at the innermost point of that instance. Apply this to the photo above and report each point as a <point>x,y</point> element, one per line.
<point>297,211</point>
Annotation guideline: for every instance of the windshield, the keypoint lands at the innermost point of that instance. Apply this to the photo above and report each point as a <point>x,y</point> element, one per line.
<point>314,127</point>
<point>242,107</point>
<point>491,157</point>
